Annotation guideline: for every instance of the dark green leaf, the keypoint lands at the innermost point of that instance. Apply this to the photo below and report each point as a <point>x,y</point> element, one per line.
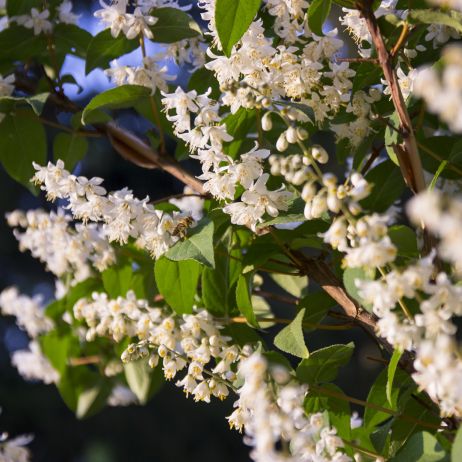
<point>116,98</point>
<point>321,399</point>
<point>72,39</point>
<point>323,364</point>
<point>405,240</point>
<point>233,18</point>
<point>173,25</point>
<point>388,186</point>
<point>316,306</point>
<point>22,141</point>
<point>421,447</point>
<point>70,148</point>
<point>103,48</point>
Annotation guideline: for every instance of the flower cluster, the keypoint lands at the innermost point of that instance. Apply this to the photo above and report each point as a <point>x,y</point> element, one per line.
<point>150,74</point>
<point>124,216</point>
<point>192,342</point>
<point>442,216</point>
<point>274,419</point>
<point>443,93</point>
<point>365,242</point>
<point>41,22</point>
<point>28,311</point>
<point>429,333</point>
<point>13,450</point>
<point>65,250</point>
<point>221,173</point>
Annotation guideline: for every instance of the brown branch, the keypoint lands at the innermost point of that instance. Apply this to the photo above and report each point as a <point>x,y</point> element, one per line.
<point>408,156</point>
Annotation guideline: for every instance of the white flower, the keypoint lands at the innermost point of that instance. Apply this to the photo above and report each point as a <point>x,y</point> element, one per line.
<point>65,14</point>
<point>113,15</point>
<point>37,20</point>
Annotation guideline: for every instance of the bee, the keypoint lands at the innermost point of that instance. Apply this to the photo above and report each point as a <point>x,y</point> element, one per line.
<point>182,226</point>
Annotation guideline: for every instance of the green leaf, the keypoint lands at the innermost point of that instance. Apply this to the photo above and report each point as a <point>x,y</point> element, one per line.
<point>233,18</point>
<point>116,98</point>
<point>70,38</point>
<point>316,306</point>
<point>323,364</point>
<point>294,285</point>
<point>203,79</point>
<point>293,214</point>
<point>405,240</point>
<point>118,280</point>
<point>456,452</point>
<point>319,400</point>
<point>173,25</point>
<point>388,186</point>
<point>367,74</point>
<point>177,282</point>
<point>103,48</point>
<point>70,148</point>
<point>22,141</point>
<point>198,246</point>
<point>92,399</point>
<point>142,380</point>
<point>19,44</point>
<point>244,298</point>
<point>391,138</point>
<point>58,349</point>
<point>291,339</point>
<point>36,102</point>
<point>451,18</point>
<point>350,275</point>
<point>421,447</point>
<point>437,174</point>
<point>391,371</point>
<point>378,397</point>
<point>317,14</point>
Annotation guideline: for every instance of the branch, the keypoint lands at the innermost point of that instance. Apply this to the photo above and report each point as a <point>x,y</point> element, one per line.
<point>408,156</point>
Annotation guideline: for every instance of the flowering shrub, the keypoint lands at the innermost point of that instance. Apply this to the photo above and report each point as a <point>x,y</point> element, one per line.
<point>369,232</point>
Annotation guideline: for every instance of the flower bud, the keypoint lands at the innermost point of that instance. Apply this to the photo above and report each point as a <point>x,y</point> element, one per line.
<point>266,123</point>
<point>307,211</point>
<point>281,143</point>
<point>333,203</point>
<point>318,206</point>
<point>291,135</point>
<point>308,191</point>
<point>319,154</point>
<point>302,134</point>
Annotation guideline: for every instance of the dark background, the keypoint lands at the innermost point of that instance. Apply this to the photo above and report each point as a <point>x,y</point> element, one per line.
<point>170,427</point>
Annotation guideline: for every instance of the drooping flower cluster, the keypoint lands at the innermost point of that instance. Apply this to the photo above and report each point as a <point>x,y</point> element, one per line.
<point>442,216</point>
<point>442,92</point>
<point>365,242</point>
<point>124,216</point>
<point>65,250</point>
<point>221,173</point>
<point>430,333</point>
<point>153,71</point>
<point>274,418</point>
<point>192,342</point>
<point>29,313</point>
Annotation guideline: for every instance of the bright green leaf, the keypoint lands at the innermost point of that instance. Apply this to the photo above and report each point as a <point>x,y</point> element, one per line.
<point>198,246</point>
<point>142,380</point>
<point>233,18</point>
<point>177,282</point>
<point>317,14</point>
<point>391,370</point>
<point>291,339</point>
<point>244,298</point>
<point>421,447</point>
<point>294,285</point>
